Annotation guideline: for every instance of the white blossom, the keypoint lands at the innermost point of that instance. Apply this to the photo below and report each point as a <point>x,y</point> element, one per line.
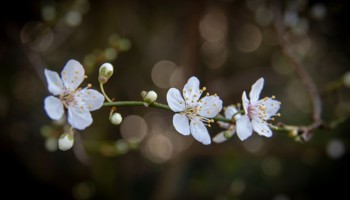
<point>68,95</point>
<point>193,113</point>
<point>230,111</point>
<point>257,112</point>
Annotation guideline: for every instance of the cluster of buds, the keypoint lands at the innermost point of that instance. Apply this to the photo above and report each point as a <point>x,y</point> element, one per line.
<point>105,72</point>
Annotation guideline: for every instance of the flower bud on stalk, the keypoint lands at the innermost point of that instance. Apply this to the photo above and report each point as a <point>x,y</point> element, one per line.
<point>116,118</point>
<point>149,97</point>
<point>105,72</point>
<point>346,79</point>
<point>66,141</point>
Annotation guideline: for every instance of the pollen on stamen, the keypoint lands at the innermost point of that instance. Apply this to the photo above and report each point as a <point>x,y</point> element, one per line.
<point>273,96</point>
<point>89,85</point>
<point>207,94</point>
<point>278,114</point>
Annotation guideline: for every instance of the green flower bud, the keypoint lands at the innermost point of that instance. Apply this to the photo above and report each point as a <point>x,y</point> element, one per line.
<point>66,141</point>
<point>105,72</point>
<point>116,118</point>
<point>149,97</point>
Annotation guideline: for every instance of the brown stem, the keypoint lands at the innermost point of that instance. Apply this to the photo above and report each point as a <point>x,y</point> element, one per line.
<point>302,74</point>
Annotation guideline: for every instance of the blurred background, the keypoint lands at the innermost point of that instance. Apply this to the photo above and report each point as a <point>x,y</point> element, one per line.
<point>155,45</point>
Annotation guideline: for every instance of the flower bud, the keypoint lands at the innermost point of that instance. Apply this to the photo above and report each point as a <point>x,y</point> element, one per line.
<point>116,118</point>
<point>105,72</point>
<point>149,97</point>
<point>346,79</point>
<point>66,141</point>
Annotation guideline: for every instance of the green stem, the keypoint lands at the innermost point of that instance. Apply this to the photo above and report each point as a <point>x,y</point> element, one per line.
<point>104,93</point>
<point>138,103</point>
<point>154,105</point>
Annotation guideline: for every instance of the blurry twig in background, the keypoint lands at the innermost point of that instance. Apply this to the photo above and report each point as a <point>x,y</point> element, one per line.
<point>306,131</point>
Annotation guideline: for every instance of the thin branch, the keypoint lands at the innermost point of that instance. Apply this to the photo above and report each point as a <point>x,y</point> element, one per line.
<point>301,72</point>
<point>154,105</point>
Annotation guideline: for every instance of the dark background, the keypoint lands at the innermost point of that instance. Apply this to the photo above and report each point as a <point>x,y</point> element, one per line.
<point>155,45</point>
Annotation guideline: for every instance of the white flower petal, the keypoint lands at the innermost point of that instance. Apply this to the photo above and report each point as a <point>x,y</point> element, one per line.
<point>199,131</point>
<point>191,91</point>
<point>79,118</point>
<point>245,102</point>
<point>256,90</point>
<point>72,74</point>
<point>244,127</point>
<point>230,111</point>
<point>54,82</point>
<point>175,100</point>
<point>209,106</point>
<point>53,107</point>
<point>221,137</point>
<point>271,107</point>
<point>181,124</point>
<point>92,99</point>
<point>261,127</point>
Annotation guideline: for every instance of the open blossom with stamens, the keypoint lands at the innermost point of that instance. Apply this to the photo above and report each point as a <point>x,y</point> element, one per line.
<point>230,111</point>
<point>78,101</point>
<point>257,112</point>
<point>193,113</point>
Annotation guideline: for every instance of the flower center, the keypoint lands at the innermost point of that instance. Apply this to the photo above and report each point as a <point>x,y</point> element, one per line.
<point>257,110</point>
<point>68,99</point>
<point>192,112</point>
